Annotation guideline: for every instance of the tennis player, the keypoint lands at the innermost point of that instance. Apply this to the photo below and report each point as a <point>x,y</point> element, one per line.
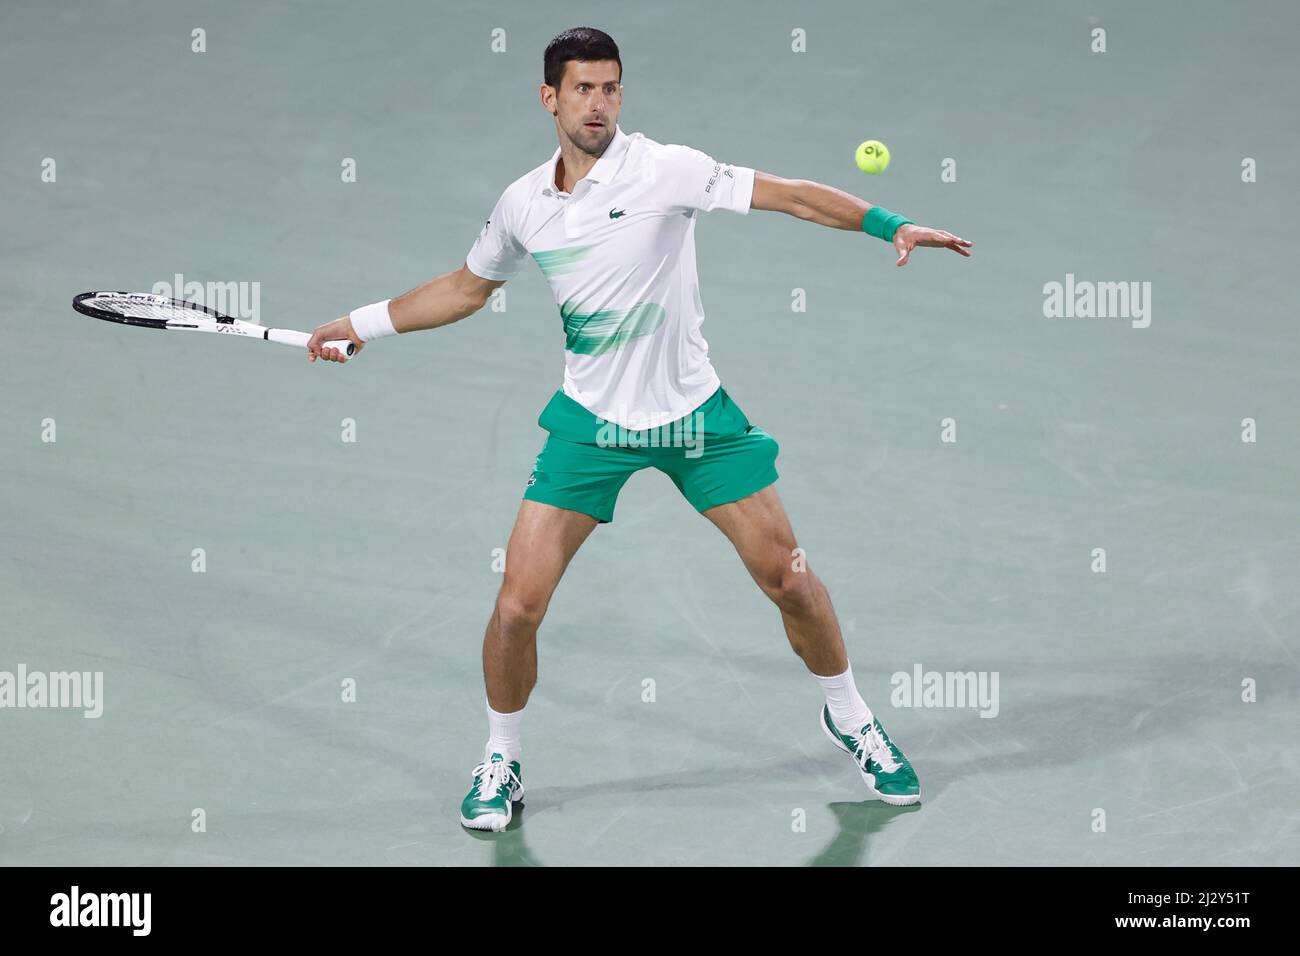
<point>610,220</point>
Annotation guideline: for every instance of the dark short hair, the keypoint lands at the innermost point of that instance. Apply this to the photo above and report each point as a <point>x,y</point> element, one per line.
<point>579,43</point>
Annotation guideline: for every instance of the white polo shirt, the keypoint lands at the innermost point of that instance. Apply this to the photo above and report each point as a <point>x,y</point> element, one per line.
<point>619,253</point>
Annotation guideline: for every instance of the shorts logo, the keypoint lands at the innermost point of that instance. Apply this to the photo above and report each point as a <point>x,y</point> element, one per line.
<point>532,480</point>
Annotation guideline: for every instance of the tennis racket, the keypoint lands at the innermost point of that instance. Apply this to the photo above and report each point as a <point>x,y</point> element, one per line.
<point>151,311</point>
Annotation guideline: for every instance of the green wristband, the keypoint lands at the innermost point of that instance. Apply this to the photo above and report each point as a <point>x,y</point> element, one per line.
<point>882,223</point>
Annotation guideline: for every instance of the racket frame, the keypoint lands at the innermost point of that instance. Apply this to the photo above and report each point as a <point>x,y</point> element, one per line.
<point>207,320</point>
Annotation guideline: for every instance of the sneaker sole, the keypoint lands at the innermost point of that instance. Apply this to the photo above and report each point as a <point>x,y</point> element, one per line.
<point>496,822</point>
<point>891,799</point>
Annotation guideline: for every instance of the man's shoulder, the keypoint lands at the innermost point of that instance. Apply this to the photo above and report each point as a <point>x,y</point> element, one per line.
<point>658,161</point>
<point>650,147</point>
<point>524,188</point>
<point>668,158</point>
<point>520,190</point>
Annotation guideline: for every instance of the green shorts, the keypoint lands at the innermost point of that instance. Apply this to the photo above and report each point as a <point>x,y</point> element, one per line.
<point>712,454</point>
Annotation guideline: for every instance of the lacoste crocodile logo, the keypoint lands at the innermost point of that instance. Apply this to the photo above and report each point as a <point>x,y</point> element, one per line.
<point>615,213</point>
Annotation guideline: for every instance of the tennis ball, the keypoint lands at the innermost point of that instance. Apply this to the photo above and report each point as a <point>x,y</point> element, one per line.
<point>872,157</point>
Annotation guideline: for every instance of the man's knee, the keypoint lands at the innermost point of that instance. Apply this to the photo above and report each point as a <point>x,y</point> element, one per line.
<point>519,610</point>
<point>792,589</point>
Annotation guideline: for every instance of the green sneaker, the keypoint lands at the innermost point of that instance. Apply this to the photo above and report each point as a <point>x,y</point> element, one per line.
<point>886,772</point>
<point>489,803</point>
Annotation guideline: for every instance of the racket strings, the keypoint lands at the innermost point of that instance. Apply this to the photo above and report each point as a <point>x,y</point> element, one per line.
<point>153,308</point>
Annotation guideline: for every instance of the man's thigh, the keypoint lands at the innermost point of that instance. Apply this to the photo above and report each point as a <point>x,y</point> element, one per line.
<point>760,530</point>
<point>542,544</point>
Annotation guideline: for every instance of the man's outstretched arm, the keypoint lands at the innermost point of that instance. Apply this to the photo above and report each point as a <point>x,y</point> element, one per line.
<point>449,298</point>
<point>828,206</point>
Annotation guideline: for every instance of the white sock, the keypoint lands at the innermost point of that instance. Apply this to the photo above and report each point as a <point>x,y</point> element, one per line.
<point>503,734</point>
<point>848,710</point>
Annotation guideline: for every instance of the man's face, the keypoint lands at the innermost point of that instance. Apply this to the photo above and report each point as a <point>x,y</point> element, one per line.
<point>588,102</point>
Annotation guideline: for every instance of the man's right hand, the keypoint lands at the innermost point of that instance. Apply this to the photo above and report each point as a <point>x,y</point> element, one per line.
<point>329,332</point>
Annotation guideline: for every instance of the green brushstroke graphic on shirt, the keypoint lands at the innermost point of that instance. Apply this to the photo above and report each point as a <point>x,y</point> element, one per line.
<point>608,330</point>
<point>558,262</point>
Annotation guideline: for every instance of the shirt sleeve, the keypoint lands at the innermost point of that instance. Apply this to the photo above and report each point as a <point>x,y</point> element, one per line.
<point>691,179</point>
<point>496,253</point>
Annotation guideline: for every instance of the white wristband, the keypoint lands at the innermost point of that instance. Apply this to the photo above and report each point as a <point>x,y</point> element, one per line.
<point>372,321</point>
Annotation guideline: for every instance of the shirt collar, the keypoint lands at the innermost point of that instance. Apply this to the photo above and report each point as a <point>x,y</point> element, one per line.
<point>605,168</point>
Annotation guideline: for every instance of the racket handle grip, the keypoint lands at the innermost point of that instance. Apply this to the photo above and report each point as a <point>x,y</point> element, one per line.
<point>300,340</point>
